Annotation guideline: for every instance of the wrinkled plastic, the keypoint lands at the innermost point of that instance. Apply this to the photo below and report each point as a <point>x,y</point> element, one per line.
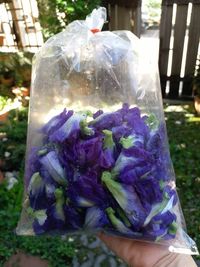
<point>89,74</point>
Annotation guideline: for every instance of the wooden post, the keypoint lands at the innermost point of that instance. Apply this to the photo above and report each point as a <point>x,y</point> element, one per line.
<point>125,15</point>
<point>179,37</point>
<point>193,43</point>
<point>165,34</point>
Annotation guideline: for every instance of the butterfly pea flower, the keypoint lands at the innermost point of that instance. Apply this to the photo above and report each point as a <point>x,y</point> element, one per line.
<point>134,120</point>
<point>123,216</point>
<point>55,216</point>
<point>95,218</point>
<point>121,131</point>
<point>106,159</point>
<point>97,114</point>
<point>170,193</point>
<point>85,129</point>
<point>87,152</point>
<point>85,188</point>
<point>155,143</point>
<point>162,226</point>
<point>124,110</point>
<point>39,218</point>
<point>161,208</point>
<point>51,163</point>
<point>152,121</point>
<point>56,122</point>
<point>60,200</point>
<point>127,199</point>
<point>133,156</point>
<point>148,190</point>
<point>36,192</point>
<point>33,164</point>
<point>36,184</point>
<point>130,173</point>
<point>132,140</point>
<point>69,130</point>
<point>118,224</point>
<point>106,121</point>
<point>74,218</point>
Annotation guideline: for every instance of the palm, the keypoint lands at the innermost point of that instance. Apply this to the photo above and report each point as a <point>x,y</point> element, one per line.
<point>135,253</point>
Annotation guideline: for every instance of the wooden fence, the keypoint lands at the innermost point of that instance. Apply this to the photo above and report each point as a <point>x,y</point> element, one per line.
<point>124,15</point>
<point>179,43</point>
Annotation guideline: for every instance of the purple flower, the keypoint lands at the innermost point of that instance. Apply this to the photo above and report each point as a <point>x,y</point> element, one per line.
<point>106,159</point>
<point>97,114</point>
<point>87,152</point>
<point>53,218</point>
<point>148,190</point>
<point>33,164</point>
<point>161,208</point>
<point>132,157</point>
<point>134,120</point>
<point>51,163</point>
<point>132,141</point>
<point>127,199</point>
<point>56,122</point>
<point>36,192</point>
<point>119,225</point>
<point>107,121</point>
<point>70,129</point>
<point>86,192</point>
<point>95,218</point>
<point>131,173</point>
<point>74,218</point>
<point>162,226</point>
<point>121,131</point>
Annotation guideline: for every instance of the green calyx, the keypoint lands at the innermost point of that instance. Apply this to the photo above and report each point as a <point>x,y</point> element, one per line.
<point>42,152</point>
<point>59,195</point>
<point>35,182</point>
<point>123,217</point>
<point>117,223</point>
<point>60,200</point>
<point>40,215</point>
<point>173,228</point>
<point>162,184</point>
<point>152,122</point>
<point>127,142</point>
<point>115,188</point>
<point>108,139</point>
<point>85,129</point>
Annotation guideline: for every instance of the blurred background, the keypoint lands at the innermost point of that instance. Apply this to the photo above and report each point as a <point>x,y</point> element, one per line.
<point>170,32</point>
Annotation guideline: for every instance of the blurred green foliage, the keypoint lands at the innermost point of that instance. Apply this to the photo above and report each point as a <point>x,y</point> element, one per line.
<point>11,201</point>
<point>56,14</point>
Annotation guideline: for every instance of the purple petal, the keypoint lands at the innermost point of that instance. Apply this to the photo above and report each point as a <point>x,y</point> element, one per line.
<point>74,218</point>
<point>87,189</point>
<point>56,122</point>
<point>95,218</point>
<point>51,163</point>
<point>131,173</point>
<point>87,152</point>
<point>97,114</point>
<point>70,129</point>
<point>107,121</point>
<point>148,190</point>
<point>106,159</point>
<point>127,199</point>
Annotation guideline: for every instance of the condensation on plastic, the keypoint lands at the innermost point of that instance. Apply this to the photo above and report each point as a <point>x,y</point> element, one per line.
<point>81,70</point>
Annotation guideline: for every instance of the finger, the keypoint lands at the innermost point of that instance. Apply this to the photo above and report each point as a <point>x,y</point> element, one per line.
<point>123,247</point>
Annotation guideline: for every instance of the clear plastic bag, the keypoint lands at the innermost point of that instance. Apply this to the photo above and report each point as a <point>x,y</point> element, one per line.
<point>97,150</point>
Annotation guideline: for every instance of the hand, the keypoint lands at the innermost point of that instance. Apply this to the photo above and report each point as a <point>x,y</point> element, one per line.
<point>135,253</point>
